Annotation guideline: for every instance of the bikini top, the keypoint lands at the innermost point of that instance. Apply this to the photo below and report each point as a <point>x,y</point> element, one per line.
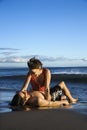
<point>36,86</point>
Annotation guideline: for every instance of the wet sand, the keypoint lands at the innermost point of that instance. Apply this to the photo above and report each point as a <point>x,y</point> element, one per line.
<point>45,119</point>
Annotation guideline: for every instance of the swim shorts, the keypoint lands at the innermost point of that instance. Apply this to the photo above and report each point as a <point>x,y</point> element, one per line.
<point>56,93</point>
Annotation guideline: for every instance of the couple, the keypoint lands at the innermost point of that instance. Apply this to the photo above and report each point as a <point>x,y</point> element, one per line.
<point>41,94</point>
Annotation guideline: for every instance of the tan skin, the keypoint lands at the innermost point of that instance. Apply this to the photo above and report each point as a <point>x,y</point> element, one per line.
<point>36,98</point>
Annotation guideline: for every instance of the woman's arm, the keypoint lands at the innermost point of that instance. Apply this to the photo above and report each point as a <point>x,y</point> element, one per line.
<point>26,83</point>
<point>47,84</point>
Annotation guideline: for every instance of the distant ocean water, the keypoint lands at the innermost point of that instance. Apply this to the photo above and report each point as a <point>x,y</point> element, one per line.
<point>12,79</point>
<point>54,70</point>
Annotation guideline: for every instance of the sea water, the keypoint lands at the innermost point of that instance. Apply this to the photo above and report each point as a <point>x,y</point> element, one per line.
<point>12,79</point>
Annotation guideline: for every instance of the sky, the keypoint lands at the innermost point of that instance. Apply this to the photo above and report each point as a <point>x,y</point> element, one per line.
<point>54,31</point>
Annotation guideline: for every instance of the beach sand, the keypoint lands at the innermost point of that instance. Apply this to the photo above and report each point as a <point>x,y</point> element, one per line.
<point>45,119</point>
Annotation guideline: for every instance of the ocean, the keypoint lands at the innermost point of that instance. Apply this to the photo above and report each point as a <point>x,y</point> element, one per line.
<point>12,79</point>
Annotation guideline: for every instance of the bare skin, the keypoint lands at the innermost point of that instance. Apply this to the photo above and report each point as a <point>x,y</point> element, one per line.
<point>67,92</point>
<point>39,77</point>
<point>36,98</point>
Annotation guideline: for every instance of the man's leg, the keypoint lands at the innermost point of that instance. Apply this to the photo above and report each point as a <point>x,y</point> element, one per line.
<point>67,92</point>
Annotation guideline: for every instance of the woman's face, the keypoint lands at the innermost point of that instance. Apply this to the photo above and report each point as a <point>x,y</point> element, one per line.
<point>36,71</point>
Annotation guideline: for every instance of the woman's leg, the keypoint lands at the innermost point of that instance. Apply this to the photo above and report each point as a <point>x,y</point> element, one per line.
<point>67,92</point>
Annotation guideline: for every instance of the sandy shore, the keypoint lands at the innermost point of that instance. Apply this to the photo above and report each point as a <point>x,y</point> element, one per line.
<point>46,119</point>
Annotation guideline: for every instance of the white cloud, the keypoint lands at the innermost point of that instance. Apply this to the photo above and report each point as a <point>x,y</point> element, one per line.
<point>8,56</point>
<point>11,49</point>
<point>84,59</point>
<point>22,59</point>
<point>7,53</point>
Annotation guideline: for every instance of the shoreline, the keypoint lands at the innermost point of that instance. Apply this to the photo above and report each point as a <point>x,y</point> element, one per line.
<point>76,82</point>
<point>45,119</point>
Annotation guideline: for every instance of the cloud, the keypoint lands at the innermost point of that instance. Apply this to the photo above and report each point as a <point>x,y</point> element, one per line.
<point>11,49</point>
<point>48,58</point>
<point>23,59</point>
<point>8,56</point>
<point>84,59</point>
<point>7,53</point>
<point>13,59</point>
<point>19,59</point>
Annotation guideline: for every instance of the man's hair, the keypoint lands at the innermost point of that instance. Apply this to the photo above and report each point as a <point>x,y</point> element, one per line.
<point>17,100</point>
<point>34,63</point>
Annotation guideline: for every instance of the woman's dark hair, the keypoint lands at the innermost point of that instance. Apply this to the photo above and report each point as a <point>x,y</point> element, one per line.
<point>34,63</point>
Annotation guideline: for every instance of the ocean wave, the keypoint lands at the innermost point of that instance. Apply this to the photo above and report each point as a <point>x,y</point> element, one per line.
<point>13,77</point>
<point>70,72</point>
<point>69,77</point>
<point>2,89</point>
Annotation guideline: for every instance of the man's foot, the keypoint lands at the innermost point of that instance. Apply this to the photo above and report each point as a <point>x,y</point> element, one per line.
<point>74,100</point>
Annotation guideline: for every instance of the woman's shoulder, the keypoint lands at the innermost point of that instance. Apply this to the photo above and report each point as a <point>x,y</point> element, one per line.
<point>46,70</point>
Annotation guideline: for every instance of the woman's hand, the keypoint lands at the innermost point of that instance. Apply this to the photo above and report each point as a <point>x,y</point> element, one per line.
<point>24,94</point>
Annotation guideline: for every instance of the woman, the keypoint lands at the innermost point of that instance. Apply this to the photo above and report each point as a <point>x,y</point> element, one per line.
<point>40,78</point>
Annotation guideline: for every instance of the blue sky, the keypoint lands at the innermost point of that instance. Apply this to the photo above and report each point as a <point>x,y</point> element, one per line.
<point>55,31</point>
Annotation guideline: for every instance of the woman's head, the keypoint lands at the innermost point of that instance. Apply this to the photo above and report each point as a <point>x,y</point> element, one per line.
<point>34,64</point>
